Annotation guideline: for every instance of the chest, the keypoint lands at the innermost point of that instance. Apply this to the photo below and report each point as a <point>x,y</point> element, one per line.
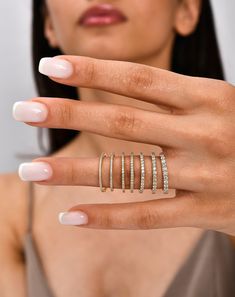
<point>89,262</point>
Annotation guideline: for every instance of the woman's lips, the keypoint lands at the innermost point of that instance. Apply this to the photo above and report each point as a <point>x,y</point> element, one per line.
<point>101,15</point>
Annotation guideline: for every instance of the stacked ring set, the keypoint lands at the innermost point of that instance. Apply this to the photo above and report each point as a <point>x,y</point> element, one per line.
<point>132,172</point>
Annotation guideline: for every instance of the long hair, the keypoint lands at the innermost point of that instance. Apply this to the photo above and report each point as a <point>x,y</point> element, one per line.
<point>195,55</point>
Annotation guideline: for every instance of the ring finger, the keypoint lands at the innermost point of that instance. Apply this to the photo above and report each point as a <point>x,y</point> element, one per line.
<point>82,171</point>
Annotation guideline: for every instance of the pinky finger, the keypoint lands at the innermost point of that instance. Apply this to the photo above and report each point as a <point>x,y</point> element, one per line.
<point>153,214</point>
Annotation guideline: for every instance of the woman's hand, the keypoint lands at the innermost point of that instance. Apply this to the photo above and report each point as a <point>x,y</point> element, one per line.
<point>197,137</point>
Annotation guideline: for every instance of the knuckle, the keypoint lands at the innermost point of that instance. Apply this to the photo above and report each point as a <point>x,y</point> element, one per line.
<point>147,219</point>
<point>124,122</point>
<point>106,220</point>
<point>64,113</point>
<point>204,179</point>
<point>224,180</point>
<point>72,175</point>
<point>217,139</point>
<point>219,181</point>
<point>140,78</point>
<point>87,72</point>
<point>221,147</point>
<point>224,96</point>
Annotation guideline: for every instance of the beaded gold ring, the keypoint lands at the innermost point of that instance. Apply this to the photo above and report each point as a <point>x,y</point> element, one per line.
<point>132,174</point>
<point>164,173</point>
<point>123,172</point>
<point>142,172</point>
<point>154,173</point>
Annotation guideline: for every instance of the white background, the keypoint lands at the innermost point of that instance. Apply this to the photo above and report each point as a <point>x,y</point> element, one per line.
<point>16,79</point>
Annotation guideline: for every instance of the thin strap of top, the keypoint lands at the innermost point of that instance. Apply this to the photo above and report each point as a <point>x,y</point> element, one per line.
<point>30,206</point>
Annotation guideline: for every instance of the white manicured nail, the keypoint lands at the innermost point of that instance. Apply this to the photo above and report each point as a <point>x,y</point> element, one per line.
<point>35,171</point>
<point>73,218</point>
<point>55,67</point>
<point>29,111</point>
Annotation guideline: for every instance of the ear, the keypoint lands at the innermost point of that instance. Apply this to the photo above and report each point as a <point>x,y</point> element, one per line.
<point>49,31</point>
<point>187,16</point>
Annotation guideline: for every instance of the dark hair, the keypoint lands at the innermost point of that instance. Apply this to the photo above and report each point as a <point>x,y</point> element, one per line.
<point>195,55</point>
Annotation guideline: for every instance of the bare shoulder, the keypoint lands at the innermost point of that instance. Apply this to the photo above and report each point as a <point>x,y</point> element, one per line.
<point>13,207</point>
<point>13,204</point>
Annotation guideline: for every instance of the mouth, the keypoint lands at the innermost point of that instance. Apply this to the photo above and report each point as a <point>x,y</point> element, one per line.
<point>102,15</point>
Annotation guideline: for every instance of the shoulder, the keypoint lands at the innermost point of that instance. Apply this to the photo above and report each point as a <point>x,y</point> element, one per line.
<point>13,205</point>
<point>12,230</point>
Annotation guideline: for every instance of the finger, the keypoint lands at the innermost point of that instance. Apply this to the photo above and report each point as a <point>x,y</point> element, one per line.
<point>186,209</point>
<point>161,213</point>
<point>115,121</point>
<point>138,81</point>
<point>85,172</point>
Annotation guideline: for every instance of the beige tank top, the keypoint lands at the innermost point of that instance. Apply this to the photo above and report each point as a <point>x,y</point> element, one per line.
<point>208,272</point>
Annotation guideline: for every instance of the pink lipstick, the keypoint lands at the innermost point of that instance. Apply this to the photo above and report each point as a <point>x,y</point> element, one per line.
<point>102,15</point>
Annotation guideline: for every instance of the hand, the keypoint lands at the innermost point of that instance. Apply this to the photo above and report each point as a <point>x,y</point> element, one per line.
<point>197,137</point>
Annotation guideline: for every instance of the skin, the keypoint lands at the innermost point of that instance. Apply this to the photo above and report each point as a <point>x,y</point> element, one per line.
<point>115,42</point>
<point>192,154</point>
<point>166,104</point>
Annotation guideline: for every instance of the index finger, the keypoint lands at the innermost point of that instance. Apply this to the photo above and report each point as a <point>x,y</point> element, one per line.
<point>138,81</point>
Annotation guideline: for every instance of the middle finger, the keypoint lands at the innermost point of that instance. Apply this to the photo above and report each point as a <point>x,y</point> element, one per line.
<point>115,121</point>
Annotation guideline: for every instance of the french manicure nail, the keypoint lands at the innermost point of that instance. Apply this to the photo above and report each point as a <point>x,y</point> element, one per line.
<point>73,218</point>
<point>55,67</point>
<point>35,171</point>
<point>29,111</point>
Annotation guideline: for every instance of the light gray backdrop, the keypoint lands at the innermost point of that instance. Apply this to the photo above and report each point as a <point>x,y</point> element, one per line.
<point>16,82</point>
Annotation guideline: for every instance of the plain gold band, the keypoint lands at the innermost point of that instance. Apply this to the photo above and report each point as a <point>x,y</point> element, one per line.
<point>102,189</point>
<point>111,171</point>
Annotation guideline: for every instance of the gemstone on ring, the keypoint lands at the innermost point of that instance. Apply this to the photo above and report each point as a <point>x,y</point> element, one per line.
<point>164,173</point>
<point>154,173</point>
<point>123,172</point>
<point>142,172</point>
<point>132,177</point>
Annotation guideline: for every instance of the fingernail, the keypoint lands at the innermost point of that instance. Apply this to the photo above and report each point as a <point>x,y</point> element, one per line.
<point>73,218</point>
<point>29,111</point>
<point>55,67</point>
<point>35,171</point>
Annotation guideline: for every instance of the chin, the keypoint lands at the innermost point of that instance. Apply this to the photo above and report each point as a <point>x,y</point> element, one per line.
<point>101,48</point>
<point>103,53</point>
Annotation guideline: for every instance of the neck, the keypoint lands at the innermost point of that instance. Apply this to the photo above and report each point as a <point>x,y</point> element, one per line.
<point>90,144</point>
